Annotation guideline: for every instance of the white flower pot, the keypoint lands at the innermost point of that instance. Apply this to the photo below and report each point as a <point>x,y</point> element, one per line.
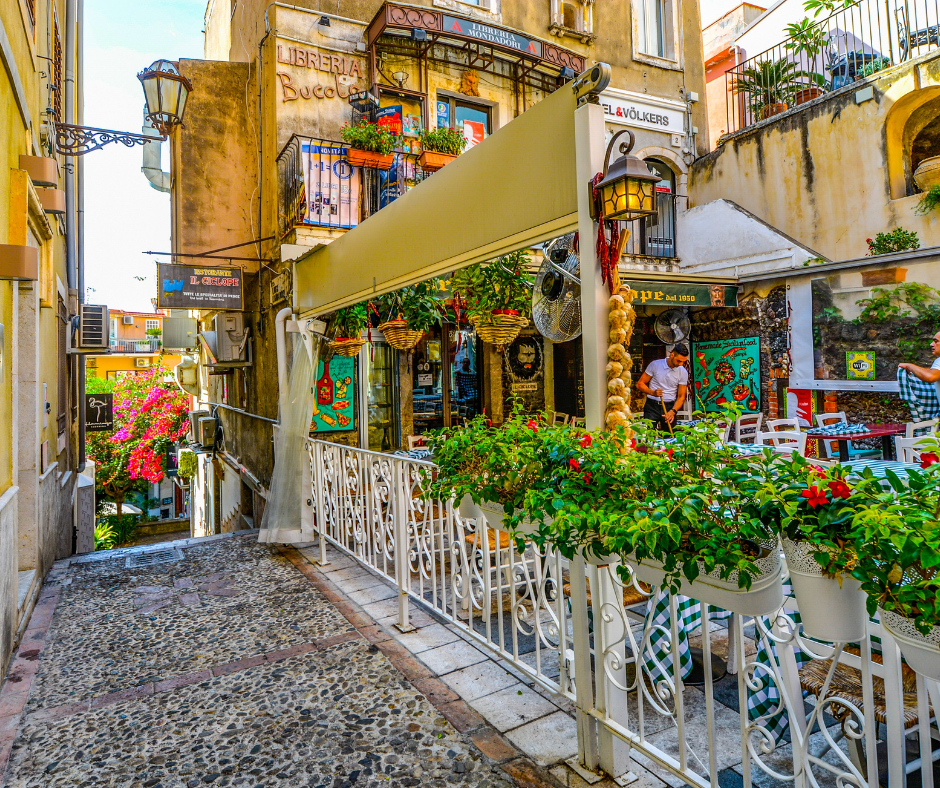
<point>765,595</point>
<point>829,611</point>
<point>922,652</point>
<point>601,559</point>
<point>468,509</point>
<point>494,514</point>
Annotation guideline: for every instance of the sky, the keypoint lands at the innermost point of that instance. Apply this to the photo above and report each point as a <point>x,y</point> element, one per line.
<point>124,215</point>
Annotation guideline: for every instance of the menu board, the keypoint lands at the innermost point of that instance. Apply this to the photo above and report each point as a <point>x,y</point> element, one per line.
<point>334,401</point>
<point>727,370</point>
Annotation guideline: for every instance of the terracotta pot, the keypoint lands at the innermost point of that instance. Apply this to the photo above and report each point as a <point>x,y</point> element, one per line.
<point>367,158</point>
<point>773,109</point>
<point>807,94</point>
<point>927,174</point>
<point>431,160</point>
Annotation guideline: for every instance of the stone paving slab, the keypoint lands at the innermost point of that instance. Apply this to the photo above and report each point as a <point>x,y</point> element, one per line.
<point>226,600</point>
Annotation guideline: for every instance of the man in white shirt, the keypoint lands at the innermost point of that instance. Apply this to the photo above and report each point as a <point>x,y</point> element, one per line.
<point>929,374</point>
<point>665,383</point>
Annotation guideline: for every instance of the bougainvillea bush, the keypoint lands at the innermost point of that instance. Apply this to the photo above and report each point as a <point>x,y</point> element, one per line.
<point>149,417</point>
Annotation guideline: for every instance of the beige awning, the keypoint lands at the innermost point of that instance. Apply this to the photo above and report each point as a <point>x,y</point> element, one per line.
<point>515,189</point>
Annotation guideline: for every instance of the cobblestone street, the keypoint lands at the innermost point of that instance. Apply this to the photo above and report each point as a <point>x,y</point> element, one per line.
<point>228,666</point>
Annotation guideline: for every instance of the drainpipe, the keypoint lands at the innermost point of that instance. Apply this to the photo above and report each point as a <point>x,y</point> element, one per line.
<point>280,338</point>
<point>152,168</point>
<point>80,164</point>
<point>70,246</point>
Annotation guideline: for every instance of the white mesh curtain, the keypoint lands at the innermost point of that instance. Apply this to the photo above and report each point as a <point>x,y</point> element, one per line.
<point>282,520</point>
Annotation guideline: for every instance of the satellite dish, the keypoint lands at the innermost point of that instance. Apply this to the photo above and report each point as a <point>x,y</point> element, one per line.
<point>672,326</point>
<point>556,296</point>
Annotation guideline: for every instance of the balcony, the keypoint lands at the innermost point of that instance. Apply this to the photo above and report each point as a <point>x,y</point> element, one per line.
<point>135,345</point>
<point>318,188</point>
<point>852,44</point>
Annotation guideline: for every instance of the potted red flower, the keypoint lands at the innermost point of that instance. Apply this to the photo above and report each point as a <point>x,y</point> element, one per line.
<point>370,145</point>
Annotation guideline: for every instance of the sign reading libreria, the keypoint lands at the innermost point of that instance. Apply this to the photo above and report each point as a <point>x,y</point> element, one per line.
<point>492,35</point>
<point>195,287</point>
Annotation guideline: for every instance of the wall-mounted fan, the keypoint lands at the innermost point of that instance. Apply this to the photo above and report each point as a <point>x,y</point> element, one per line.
<point>556,297</point>
<point>672,326</point>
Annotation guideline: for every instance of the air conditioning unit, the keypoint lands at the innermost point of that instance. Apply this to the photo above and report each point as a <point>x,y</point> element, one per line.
<point>194,416</point>
<point>179,333</point>
<point>141,362</point>
<point>127,320</point>
<point>206,432</point>
<point>92,330</point>
<point>231,337</point>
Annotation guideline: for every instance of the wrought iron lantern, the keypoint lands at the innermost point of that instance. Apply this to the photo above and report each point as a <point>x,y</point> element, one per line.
<point>165,91</point>
<point>628,189</point>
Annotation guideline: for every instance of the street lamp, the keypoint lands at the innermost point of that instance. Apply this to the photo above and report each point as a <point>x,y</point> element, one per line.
<point>165,91</point>
<point>627,190</point>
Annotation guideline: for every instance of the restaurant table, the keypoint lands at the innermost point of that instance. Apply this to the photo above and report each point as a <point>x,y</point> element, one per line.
<point>878,467</point>
<point>884,431</point>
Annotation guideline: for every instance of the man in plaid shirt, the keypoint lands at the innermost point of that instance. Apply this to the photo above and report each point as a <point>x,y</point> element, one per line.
<point>923,400</point>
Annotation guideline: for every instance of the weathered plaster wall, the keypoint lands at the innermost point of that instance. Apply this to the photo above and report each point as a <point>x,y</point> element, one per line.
<point>831,173</point>
<point>8,575</point>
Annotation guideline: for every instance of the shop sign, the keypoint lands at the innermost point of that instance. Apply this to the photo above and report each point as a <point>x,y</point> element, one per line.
<point>195,287</point>
<point>346,74</point>
<point>860,365</point>
<point>335,398</point>
<point>99,412</point>
<point>683,294</point>
<point>727,370</point>
<point>635,112</point>
<point>491,35</point>
<point>443,114</point>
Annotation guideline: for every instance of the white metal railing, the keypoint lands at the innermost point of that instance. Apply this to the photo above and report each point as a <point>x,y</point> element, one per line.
<point>572,628</point>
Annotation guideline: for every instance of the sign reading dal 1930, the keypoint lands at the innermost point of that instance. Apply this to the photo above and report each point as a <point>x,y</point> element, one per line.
<point>195,287</point>
<point>99,412</point>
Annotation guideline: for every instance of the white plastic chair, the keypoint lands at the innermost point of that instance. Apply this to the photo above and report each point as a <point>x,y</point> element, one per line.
<point>726,434</point>
<point>783,425</point>
<point>905,449</point>
<point>747,427</point>
<point>830,447</point>
<point>920,428</point>
<point>784,441</point>
<point>414,441</point>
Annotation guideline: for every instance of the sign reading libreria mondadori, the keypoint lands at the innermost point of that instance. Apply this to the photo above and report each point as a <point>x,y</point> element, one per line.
<point>196,287</point>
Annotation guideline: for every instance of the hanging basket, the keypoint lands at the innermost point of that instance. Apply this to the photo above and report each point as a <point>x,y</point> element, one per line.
<point>367,158</point>
<point>500,330</point>
<point>399,336</point>
<point>348,347</point>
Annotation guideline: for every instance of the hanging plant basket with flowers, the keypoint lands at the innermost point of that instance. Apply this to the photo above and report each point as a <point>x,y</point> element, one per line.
<point>408,313</point>
<point>370,145</point>
<point>351,321</point>
<point>441,146</point>
<point>498,297</point>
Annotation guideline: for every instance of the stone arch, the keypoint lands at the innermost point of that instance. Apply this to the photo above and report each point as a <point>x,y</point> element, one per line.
<point>912,132</point>
<point>679,168</point>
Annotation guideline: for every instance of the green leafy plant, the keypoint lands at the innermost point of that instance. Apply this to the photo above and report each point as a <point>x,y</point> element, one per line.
<point>187,465</point>
<point>503,284</point>
<point>886,306</point>
<point>444,140</point>
<point>351,321</point>
<point>769,82</point>
<point>416,304</point>
<point>806,37</point>
<point>879,64</point>
<point>826,6</point>
<point>154,332</point>
<point>104,536</point>
<point>831,313</point>
<point>899,240</point>
<point>370,137</point>
<point>929,201</point>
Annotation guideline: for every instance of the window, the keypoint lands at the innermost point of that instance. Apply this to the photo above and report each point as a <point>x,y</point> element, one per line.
<point>573,17</point>
<point>654,28</point>
<point>474,119</point>
<point>152,324</point>
<point>655,236</point>
<point>31,9</point>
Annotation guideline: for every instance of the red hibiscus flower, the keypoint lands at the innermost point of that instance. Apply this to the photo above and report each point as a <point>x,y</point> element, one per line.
<point>839,489</point>
<point>575,465</point>
<point>532,425</point>
<point>814,496</point>
<point>586,441</point>
<point>587,477</point>
<point>928,458</point>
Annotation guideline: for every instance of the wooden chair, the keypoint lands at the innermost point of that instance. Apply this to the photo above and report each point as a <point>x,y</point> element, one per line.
<point>783,441</point>
<point>783,425</point>
<point>632,596</point>
<point>747,427</point>
<point>917,429</point>
<point>560,418</point>
<point>578,422</point>
<point>831,448</point>
<point>905,449</point>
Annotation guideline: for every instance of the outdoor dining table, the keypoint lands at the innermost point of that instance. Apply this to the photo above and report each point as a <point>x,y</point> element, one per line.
<point>886,432</point>
<point>879,467</point>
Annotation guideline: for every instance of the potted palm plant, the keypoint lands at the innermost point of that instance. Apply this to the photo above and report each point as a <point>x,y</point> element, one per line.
<point>441,146</point>
<point>768,86</point>
<point>808,39</point>
<point>408,313</point>
<point>498,297</point>
<point>370,145</point>
<point>351,321</point>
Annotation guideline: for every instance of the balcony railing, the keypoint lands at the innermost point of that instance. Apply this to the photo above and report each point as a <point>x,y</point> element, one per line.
<point>793,711</point>
<point>135,345</point>
<point>318,188</point>
<point>854,42</point>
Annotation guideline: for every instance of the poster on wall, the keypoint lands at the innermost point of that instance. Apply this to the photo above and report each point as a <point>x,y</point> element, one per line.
<point>334,401</point>
<point>331,187</point>
<point>524,373</point>
<point>727,370</point>
<point>860,365</point>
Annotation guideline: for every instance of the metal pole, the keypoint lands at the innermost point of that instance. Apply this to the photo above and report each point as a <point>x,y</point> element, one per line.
<point>400,523</point>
